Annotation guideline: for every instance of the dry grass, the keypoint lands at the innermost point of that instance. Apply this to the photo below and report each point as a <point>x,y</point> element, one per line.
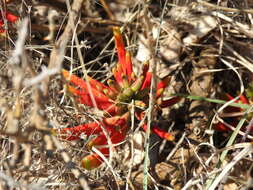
<point>205,47</point>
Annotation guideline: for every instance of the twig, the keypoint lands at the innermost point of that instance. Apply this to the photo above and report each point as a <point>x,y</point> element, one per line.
<point>131,148</point>
<point>229,166</point>
<point>18,63</point>
<point>57,54</point>
<point>152,93</point>
<point>181,140</point>
<point>67,160</point>
<point>248,130</point>
<point>107,9</point>
<point>242,27</point>
<point>227,9</point>
<point>225,152</point>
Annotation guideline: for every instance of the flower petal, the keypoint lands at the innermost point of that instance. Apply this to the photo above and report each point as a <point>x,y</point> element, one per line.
<point>162,85</point>
<point>129,67</point>
<point>109,124</point>
<point>243,99</point>
<point>120,49</point>
<point>11,18</point>
<point>159,132</point>
<point>116,136</point>
<point>78,82</point>
<point>93,161</point>
<point>102,102</point>
<point>147,81</point>
<point>117,75</point>
<point>73,133</point>
<point>169,102</point>
<point>221,127</point>
<point>116,120</point>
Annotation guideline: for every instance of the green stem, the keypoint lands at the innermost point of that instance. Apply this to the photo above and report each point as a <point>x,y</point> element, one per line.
<point>212,100</point>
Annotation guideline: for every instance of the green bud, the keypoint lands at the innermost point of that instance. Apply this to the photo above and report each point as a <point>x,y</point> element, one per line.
<point>137,84</point>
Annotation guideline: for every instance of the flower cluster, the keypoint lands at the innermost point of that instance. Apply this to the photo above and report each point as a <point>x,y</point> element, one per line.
<point>116,100</point>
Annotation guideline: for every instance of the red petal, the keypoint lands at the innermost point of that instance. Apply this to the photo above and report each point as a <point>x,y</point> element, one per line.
<point>147,81</point>
<point>159,132</point>
<point>169,102</point>
<point>120,48</point>
<point>129,67</point>
<point>221,127</point>
<point>113,85</point>
<point>109,124</point>
<point>103,102</point>
<point>162,85</point>
<point>73,133</point>
<point>93,161</point>
<point>116,136</point>
<point>11,18</point>
<point>229,97</point>
<point>116,120</point>
<point>78,82</point>
<point>243,99</point>
<point>100,86</point>
<point>117,75</point>
<point>145,68</point>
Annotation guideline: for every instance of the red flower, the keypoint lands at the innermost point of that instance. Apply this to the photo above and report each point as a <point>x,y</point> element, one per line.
<point>233,120</point>
<point>114,99</point>
<point>10,18</point>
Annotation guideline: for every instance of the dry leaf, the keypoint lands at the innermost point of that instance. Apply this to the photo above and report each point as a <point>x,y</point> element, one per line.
<point>170,45</point>
<point>230,186</point>
<point>201,26</point>
<point>138,151</point>
<point>143,53</point>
